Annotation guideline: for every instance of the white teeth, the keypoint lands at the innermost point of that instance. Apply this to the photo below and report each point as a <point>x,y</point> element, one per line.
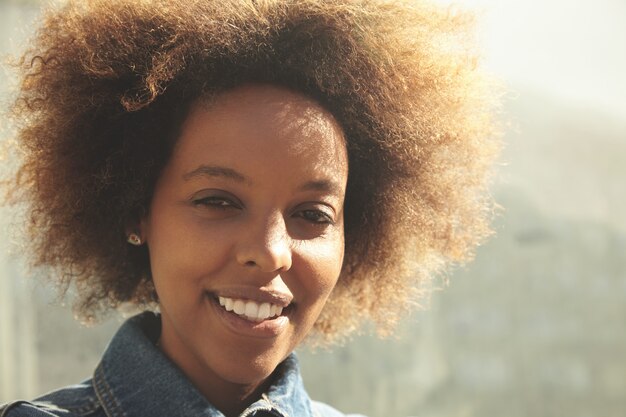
<point>264,311</point>
<point>239,307</point>
<point>251,310</point>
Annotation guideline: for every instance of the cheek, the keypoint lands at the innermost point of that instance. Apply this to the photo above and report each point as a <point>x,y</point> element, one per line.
<point>183,250</point>
<point>323,264</point>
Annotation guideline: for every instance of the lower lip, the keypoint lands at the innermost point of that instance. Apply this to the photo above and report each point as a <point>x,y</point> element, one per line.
<point>264,329</point>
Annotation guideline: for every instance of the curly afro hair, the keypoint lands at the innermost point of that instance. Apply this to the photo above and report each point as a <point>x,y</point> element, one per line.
<point>106,85</point>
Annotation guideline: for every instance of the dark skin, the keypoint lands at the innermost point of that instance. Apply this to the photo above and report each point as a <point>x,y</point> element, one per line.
<point>248,211</point>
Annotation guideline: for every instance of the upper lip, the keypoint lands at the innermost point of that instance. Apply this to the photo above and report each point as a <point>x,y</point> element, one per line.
<point>259,295</point>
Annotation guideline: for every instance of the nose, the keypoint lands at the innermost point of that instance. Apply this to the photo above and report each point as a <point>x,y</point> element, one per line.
<point>266,245</point>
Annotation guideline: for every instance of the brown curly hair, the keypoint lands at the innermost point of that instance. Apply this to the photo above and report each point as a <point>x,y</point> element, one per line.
<point>107,84</point>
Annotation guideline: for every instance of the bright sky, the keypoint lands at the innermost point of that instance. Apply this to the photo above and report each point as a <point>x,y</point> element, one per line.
<point>574,50</point>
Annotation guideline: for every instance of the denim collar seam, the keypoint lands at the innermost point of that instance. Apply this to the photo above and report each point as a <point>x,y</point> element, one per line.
<point>5,407</point>
<point>93,405</point>
<point>274,405</point>
<point>110,405</point>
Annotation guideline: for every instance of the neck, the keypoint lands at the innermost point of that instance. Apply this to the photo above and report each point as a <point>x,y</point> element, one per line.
<point>228,397</point>
<point>233,399</point>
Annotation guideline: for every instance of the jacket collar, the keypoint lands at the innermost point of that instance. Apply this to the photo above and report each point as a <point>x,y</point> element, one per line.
<point>135,378</point>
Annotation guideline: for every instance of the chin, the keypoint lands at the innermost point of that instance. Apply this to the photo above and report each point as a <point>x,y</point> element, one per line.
<point>247,372</point>
<point>243,368</point>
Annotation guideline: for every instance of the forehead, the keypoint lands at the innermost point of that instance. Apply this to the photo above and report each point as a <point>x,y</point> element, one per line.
<point>265,104</point>
<point>262,123</point>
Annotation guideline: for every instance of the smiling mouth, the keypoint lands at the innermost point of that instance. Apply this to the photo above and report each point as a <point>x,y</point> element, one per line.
<point>251,310</point>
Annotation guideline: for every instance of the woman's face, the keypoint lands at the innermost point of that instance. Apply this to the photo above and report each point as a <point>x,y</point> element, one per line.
<point>245,232</point>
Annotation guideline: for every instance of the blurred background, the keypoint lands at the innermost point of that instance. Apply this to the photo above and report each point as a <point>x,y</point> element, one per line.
<point>536,326</point>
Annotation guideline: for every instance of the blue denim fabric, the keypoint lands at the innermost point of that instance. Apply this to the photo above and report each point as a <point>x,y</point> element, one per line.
<point>135,379</point>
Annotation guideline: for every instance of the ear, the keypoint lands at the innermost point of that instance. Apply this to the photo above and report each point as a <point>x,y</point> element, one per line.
<point>136,230</point>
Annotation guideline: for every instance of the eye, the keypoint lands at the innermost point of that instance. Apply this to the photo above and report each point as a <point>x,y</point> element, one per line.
<point>315,216</point>
<point>216,202</point>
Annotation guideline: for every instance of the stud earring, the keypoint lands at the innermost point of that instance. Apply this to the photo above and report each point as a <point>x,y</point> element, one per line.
<point>134,239</point>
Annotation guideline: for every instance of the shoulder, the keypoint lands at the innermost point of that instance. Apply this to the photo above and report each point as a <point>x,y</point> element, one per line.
<point>23,408</point>
<point>324,410</point>
<point>78,400</point>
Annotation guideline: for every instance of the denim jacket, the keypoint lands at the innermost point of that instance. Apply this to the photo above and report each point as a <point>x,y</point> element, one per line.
<point>135,379</point>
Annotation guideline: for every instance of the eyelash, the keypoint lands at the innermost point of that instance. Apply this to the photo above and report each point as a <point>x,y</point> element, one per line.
<point>315,217</point>
<point>326,219</point>
<point>216,202</point>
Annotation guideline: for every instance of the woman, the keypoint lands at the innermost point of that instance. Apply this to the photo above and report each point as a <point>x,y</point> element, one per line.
<point>256,173</point>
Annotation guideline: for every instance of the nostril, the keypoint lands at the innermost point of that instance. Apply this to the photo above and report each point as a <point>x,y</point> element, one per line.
<point>269,256</point>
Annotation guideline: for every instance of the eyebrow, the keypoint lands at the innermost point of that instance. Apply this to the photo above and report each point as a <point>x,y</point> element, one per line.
<point>215,171</point>
<point>219,171</point>
<point>324,186</point>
